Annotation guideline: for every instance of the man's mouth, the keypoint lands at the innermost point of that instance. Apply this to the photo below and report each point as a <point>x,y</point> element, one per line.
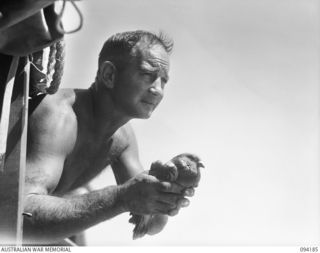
<point>149,103</point>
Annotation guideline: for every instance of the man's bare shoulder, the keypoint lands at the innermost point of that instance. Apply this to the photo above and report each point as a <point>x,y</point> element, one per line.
<point>54,120</point>
<point>51,137</point>
<point>62,100</point>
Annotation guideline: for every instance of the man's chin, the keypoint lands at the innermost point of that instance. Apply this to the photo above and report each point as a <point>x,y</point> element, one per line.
<point>140,115</point>
<point>145,116</point>
<point>143,112</point>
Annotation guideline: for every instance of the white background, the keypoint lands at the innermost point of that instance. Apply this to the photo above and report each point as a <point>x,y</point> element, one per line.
<point>243,95</point>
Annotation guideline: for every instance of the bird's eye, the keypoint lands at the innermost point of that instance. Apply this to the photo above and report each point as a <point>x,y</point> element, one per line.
<point>164,80</point>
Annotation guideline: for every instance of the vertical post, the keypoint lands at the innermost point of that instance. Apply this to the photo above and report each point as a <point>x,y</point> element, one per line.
<point>12,176</point>
<point>23,152</point>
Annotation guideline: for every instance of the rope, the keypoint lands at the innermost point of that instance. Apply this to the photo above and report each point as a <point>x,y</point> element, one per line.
<point>59,23</point>
<point>58,59</point>
<point>53,71</point>
<point>47,69</point>
<point>51,65</point>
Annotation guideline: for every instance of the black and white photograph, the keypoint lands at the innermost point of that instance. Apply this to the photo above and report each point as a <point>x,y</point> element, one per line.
<point>172,123</point>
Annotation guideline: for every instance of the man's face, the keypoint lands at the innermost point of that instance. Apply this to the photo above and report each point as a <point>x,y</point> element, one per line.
<point>140,86</point>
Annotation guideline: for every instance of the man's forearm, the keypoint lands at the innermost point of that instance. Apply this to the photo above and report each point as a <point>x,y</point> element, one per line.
<point>55,218</point>
<point>124,173</point>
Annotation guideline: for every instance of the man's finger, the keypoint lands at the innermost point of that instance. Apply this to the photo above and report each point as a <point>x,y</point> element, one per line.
<point>162,208</point>
<point>170,164</point>
<point>170,199</point>
<point>183,202</point>
<point>173,212</point>
<point>189,192</point>
<point>170,187</point>
<point>172,171</point>
<point>163,172</point>
<point>156,164</point>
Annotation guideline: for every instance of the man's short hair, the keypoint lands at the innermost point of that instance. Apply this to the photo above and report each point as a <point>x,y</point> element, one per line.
<point>118,48</point>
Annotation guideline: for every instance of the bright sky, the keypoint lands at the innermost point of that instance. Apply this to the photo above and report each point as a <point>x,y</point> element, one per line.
<point>243,94</point>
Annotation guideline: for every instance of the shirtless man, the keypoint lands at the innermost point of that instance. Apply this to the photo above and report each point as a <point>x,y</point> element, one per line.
<point>74,134</point>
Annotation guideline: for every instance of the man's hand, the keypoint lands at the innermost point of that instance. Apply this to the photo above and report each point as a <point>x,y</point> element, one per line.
<point>145,194</point>
<point>183,170</point>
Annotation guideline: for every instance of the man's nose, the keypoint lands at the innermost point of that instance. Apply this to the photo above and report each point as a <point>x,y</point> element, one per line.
<point>157,88</point>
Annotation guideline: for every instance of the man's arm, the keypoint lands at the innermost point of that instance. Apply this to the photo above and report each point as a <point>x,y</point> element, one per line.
<point>127,164</point>
<point>53,218</point>
<point>52,135</point>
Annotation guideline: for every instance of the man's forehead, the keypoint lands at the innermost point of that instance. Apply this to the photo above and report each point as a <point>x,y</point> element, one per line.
<point>153,62</point>
<point>154,56</point>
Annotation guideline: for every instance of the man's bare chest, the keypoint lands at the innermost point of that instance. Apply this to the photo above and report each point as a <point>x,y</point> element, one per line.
<point>89,157</point>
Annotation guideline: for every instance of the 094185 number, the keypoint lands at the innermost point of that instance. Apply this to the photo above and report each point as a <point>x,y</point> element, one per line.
<point>309,249</point>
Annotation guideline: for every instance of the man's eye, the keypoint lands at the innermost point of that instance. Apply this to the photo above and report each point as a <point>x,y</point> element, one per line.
<point>149,75</point>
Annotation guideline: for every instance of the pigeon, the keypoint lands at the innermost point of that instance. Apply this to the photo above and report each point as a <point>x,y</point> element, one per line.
<point>186,173</point>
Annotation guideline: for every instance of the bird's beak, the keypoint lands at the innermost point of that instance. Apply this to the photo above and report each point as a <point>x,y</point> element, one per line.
<point>200,164</point>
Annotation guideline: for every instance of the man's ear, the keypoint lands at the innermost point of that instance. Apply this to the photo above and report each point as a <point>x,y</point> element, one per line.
<point>107,74</point>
